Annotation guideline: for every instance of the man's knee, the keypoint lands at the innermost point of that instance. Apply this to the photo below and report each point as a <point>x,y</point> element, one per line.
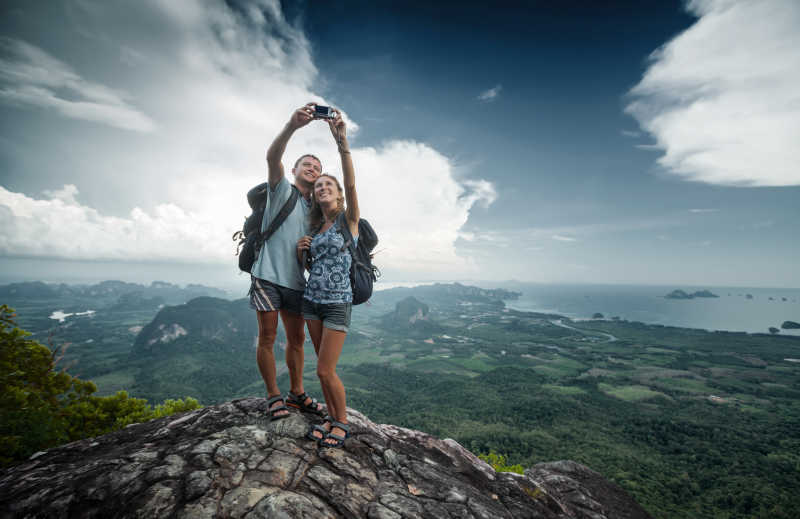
<point>295,341</point>
<point>295,334</point>
<point>266,339</point>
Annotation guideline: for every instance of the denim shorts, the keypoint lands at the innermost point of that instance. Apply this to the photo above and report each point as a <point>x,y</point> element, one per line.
<point>269,297</point>
<point>334,316</point>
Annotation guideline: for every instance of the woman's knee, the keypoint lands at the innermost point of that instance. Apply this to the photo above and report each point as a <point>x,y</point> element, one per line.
<point>326,373</point>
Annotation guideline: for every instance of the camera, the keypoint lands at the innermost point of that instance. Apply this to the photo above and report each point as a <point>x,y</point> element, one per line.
<point>324,112</point>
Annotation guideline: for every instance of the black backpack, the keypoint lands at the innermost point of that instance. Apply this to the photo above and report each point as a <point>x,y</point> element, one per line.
<point>250,237</point>
<point>362,272</point>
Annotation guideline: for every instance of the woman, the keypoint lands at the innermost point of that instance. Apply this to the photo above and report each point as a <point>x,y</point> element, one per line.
<point>327,300</point>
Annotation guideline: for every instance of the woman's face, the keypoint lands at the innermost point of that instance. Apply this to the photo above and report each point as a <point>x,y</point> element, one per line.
<point>325,190</point>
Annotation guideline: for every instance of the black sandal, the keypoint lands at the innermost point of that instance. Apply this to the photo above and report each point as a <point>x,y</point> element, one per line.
<point>318,427</point>
<point>339,440</point>
<point>273,410</point>
<point>299,401</point>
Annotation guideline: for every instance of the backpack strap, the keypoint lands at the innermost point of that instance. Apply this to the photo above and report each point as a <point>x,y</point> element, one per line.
<point>287,208</point>
<point>341,222</point>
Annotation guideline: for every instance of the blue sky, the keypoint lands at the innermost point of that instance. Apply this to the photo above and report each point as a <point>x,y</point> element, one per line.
<point>625,142</point>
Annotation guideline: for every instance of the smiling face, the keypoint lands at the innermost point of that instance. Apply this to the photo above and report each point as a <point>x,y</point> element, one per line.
<point>307,169</point>
<point>327,191</point>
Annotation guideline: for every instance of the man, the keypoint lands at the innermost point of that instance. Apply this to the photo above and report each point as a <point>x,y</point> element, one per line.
<point>277,278</point>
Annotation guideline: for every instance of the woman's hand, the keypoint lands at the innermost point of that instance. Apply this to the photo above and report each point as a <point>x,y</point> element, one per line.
<point>339,131</point>
<point>303,245</point>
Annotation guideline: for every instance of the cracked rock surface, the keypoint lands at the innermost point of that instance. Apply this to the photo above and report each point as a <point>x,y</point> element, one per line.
<point>229,460</point>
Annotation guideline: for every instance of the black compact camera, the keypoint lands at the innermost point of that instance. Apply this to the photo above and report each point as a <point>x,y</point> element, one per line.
<point>324,112</point>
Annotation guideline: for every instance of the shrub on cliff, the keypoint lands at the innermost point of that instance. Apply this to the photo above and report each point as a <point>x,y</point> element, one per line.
<point>42,407</point>
<point>499,463</point>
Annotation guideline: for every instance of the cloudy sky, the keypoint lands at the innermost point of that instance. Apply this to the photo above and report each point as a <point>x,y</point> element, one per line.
<point>650,142</point>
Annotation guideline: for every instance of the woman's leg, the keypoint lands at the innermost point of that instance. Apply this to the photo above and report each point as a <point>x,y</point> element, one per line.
<point>329,351</point>
<point>315,332</point>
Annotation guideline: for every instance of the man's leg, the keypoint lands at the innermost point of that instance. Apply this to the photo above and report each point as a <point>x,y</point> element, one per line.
<point>265,356</point>
<point>295,337</point>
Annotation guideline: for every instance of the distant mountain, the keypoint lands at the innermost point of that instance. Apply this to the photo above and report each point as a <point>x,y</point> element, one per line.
<point>137,301</point>
<point>451,294</point>
<point>197,323</point>
<point>106,292</point>
<point>790,325</point>
<point>410,315</point>
<point>467,292</point>
<point>704,293</point>
<point>205,348</point>
<point>680,294</point>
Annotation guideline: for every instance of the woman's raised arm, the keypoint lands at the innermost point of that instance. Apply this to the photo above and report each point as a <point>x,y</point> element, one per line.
<point>339,131</point>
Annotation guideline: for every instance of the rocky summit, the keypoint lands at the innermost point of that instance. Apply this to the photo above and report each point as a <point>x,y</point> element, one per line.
<point>229,460</point>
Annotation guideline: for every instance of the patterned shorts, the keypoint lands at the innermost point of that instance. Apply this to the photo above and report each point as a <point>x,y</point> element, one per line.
<point>269,297</point>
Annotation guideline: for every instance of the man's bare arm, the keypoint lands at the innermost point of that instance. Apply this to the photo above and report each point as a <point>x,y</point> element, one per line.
<point>301,117</point>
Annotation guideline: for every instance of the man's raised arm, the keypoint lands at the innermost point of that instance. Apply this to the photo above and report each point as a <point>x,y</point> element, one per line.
<point>301,117</point>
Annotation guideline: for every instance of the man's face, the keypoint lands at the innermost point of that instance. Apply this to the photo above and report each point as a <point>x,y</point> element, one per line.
<point>308,170</point>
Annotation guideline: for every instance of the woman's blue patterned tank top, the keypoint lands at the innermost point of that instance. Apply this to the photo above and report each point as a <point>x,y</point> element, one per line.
<point>329,280</point>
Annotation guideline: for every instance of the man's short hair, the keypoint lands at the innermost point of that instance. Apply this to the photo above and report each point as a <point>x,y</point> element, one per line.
<point>304,156</point>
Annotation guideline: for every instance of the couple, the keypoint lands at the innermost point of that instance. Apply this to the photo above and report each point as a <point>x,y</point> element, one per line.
<point>279,287</point>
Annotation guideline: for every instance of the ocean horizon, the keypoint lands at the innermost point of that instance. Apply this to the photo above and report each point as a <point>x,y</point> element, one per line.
<point>732,311</point>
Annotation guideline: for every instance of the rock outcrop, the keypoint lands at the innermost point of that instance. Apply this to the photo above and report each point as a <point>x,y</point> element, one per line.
<point>680,294</point>
<point>231,461</point>
<point>412,317</point>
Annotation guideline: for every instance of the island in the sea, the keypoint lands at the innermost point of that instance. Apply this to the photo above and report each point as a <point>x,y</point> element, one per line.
<point>680,294</point>
<point>790,325</point>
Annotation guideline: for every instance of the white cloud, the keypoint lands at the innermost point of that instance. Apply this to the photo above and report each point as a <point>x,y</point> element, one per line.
<point>30,76</point>
<point>703,210</point>
<point>721,98</point>
<point>491,94</point>
<point>628,133</point>
<point>59,226</point>
<point>558,237</point>
<point>223,82</point>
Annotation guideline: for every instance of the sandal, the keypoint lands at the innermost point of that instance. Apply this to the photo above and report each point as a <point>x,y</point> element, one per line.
<point>299,401</point>
<point>338,439</point>
<point>318,427</point>
<point>273,410</point>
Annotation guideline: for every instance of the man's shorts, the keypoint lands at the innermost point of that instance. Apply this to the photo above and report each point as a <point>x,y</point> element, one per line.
<point>269,297</point>
<point>334,316</point>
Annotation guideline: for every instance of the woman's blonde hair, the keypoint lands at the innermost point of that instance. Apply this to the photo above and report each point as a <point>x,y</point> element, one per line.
<point>316,215</point>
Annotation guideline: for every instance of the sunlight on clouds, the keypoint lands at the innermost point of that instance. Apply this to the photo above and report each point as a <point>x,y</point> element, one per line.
<point>223,81</point>
<point>407,191</point>
<point>63,228</point>
<point>721,98</point>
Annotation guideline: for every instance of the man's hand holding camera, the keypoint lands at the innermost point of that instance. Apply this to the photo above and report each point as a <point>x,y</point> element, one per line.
<point>302,116</point>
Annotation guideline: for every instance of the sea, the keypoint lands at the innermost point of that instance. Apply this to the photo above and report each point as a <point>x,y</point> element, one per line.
<point>733,310</point>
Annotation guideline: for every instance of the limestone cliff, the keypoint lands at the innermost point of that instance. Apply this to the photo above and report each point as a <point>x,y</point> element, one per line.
<point>230,461</point>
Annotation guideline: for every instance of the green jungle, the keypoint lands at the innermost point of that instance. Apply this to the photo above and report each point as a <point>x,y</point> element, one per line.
<point>693,424</point>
